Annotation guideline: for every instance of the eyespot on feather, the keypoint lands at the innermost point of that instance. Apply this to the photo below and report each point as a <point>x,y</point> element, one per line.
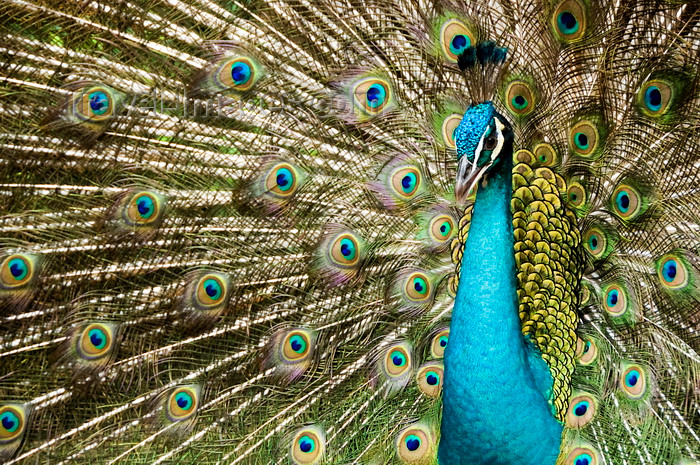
<point>296,346</point>
<point>584,138</point>
<point>429,378</point>
<point>96,341</point>
<point>587,351</point>
<point>455,38</point>
<point>546,155</point>
<point>569,20</point>
<point>449,125</point>
<point>595,242</point>
<point>372,95</point>
<point>397,361</point>
<point>633,381</point>
<point>95,104</point>
<point>18,271</point>
<point>655,97</point>
<point>282,180</point>
<point>442,228</point>
<point>582,456</point>
<point>627,202</point>
<point>406,181</point>
<point>439,343</point>
<point>414,444</point>
<point>308,446</point>
<point>582,408</point>
<point>182,403</point>
<point>339,256</point>
<point>673,271</point>
<point>13,423</point>
<point>143,209</point>
<point>210,292</point>
<point>615,300</point>
<point>418,287</point>
<point>520,98</point>
<point>237,73</point>
<point>576,195</point>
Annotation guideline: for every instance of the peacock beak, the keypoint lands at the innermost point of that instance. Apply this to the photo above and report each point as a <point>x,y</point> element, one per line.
<point>468,174</point>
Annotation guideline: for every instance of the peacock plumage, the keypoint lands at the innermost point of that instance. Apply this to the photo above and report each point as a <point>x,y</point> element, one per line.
<point>244,231</point>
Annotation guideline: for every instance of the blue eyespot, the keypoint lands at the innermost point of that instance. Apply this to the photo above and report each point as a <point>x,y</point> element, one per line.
<point>459,43</point>
<point>583,459</point>
<point>652,98</point>
<point>445,228</point>
<point>285,179</point>
<point>145,206</point>
<point>443,341</point>
<point>213,288</point>
<point>240,72</point>
<point>297,343</point>
<point>184,400</point>
<point>412,442</point>
<point>632,378</point>
<point>622,200</point>
<point>420,286</point>
<point>376,95</point>
<point>348,249</point>
<point>586,347</point>
<point>519,102</point>
<point>99,103</point>
<point>567,23</point>
<point>18,268</point>
<point>432,378</point>
<point>581,141</point>
<point>593,242</point>
<point>306,444</point>
<point>398,359</point>
<point>408,182</point>
<point>10,421</point>
<point>669,271</point>
<point>581,408</point>
<point>98,338</point>
<point>612,297</point>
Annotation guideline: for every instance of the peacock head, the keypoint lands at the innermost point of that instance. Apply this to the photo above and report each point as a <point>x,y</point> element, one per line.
<point>484,138</point>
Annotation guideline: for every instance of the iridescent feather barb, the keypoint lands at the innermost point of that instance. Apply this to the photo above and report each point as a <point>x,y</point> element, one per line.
<point>241,232</point>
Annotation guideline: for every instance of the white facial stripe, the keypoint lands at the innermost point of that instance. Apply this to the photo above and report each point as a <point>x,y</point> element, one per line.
<point>499,130</point>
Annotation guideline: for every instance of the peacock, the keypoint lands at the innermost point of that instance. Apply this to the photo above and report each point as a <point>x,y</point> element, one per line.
<point>339,231</point>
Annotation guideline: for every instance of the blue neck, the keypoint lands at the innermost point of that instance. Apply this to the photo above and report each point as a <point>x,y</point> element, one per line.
<point>496,386</point>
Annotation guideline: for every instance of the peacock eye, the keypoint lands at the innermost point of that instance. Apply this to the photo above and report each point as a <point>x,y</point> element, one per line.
<point>182,403</point>
<point>439,343</point>
<point>95,104</point>
<point>372,95</point>
<point>569,20</point>
<point>308,446</point>
<point>520,98</point>
<point>96,341</point>
<point>239,73</point>
<point>633,382</point>
<point>13,420</point>
<point>143,209</point>
<point>16,271</point>
<point>414,444</point>
<point>210,291</point>
<point>429,378</point>
<point>449,125</point>
<point>455,38</point>
<point>581,411</point>
<point>296,346</point>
